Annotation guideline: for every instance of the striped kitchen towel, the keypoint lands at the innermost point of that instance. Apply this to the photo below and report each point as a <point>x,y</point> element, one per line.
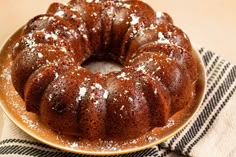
<point>212,132</point>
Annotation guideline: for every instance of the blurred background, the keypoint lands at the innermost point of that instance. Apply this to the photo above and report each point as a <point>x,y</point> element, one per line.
<point>210,23</point>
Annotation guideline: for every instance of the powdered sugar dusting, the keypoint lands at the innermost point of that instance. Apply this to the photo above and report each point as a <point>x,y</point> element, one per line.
<point>51,35</point>
<point>135,19</point>
<point>170,123</point>
<point>142,68</point>
<point>29,122</point>
<point>128,6</point>
<point>40,55</point>
<point>122,107</point>
<point>74,145</point>
<point>60,13</point>
<point>162,38</point>
<point>98,86</point>
<point>82,92</point>
<point>29,40</point>
<point>159,14</point>
<point>6,74</point>
<point>131,99</point>
<point>105,95</point>
<point>122,76</point>
<point>16,45</point>
<point>63,49</point>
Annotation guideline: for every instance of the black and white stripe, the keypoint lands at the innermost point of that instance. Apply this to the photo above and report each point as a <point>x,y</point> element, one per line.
<point>221,86</point>
<point>203,116</point>
<point>188,149</point>
<point>207,57</point>
<point>30,148</point>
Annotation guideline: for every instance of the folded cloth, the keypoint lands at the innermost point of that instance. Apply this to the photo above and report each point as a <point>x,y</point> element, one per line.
<point>210,133</point>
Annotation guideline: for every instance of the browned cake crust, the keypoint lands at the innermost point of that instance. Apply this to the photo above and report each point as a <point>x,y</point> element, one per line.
<point>156,81</point>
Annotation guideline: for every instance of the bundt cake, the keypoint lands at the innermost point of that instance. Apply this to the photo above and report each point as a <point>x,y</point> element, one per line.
<point>157,78</point>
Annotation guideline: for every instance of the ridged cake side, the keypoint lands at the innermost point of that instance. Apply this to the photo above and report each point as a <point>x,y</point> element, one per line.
<point>156,81</point>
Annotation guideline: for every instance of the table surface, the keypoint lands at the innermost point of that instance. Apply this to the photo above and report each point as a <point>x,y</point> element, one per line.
<point>209,23</point>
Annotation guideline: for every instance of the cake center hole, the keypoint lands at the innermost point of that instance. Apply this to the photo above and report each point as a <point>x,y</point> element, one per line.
<point>102,66</point>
